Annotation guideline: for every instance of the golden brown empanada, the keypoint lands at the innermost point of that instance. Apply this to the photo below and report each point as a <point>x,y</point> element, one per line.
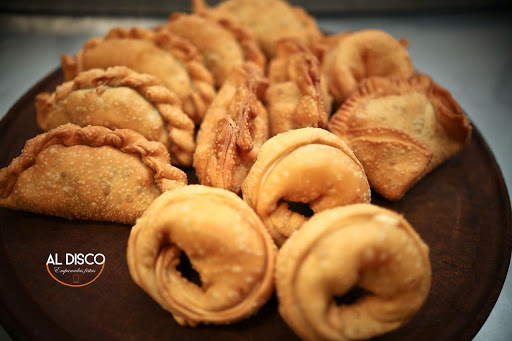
<point>400,129</point>
<point>233,130</point>
<point>121,98</point>
<point>362,54</point>
<point>297,96</point>
<point>89,173</point>
<point>171,58</point>
<point>300,173</point>
<point>352,273</point>
<point>269,20</point>
<point>226,244</point>
<point>222,43</point>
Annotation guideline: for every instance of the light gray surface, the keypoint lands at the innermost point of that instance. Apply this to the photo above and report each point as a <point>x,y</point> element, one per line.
<point>470,55</point>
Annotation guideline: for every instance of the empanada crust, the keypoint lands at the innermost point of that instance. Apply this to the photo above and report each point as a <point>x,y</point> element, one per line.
<point>357,246</point>
<point>222,43</point>
<point>355,56</point>
<point>309,166</point>
<point>176,62</point>
<point>297,96</point>
<point>418,112</point>
<point>88,173</point>
<point>121,98</point>
<point>226,244</point>
<point>268,20</point>
<point>233,130</point>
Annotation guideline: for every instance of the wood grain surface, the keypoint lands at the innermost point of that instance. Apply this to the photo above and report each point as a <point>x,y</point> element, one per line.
<point>461,210</point>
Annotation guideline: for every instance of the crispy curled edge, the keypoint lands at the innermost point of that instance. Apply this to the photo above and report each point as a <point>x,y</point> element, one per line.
<point>448,111</point>
<point>152,154</point>
<point>372,314</point>
<point>299,67</point>
<point>239,133</point>
<point>201,79</point>
<point>179,126</point>
<point>246,39</point>
<point>392,160</point>
<point>169,257</point>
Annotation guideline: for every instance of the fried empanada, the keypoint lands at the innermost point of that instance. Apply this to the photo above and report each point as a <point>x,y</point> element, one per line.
<point>172,59</point>
<point>121,98</point>
<point>297,96</point>
<point>226,244</point>
<point>89,173</point>
<point>233,130</point>
<point>300,173</point>
<point>400,130</point>
<point>269,20</point>
<point>362,54</point>
<point>222,43</point>
<point>352,273</point>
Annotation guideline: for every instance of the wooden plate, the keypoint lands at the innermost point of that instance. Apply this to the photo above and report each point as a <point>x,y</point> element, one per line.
<point>461,210</point>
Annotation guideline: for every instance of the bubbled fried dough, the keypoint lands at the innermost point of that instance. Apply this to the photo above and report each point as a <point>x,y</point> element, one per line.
<point>358,247</point>
<point>268,20</point>
<point>222,43</point>
<point>400,130</point>
<point>363,54</point>
<point>121,98</point>
<point>226,244</point>
<point>233,131</point>
<point>309,166</point>
<point>88,173</point>
<point>176,62</point>
<point>297,96</point>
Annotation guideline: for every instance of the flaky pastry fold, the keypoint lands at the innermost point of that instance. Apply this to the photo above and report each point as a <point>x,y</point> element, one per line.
<point>174,60</point>
<point>121,98</point>
<point>222,43</point>
<point>233,130</point>
<point>225,243</point>
<point>352,273</point>
<point>303,167</point>
<point>297,96</point>
<point>88,173</point>
<point>400,130</point>
<point>351,57</point>
<point>268,20</point>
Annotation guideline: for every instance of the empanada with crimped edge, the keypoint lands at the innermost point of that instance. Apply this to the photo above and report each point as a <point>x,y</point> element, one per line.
<point>222,43</point>
<point>351,57</point>
<point>233,130</point>
<point>297,96</point>
<point>400,130</point>
<point>269,20</point>
<point>121,98</point>
<point>89,173</point>
<point>172,59</point>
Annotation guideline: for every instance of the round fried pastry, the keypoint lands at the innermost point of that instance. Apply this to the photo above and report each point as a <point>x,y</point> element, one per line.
<point>306,167</point>
<point>351,273</point>
<point>226,244</point>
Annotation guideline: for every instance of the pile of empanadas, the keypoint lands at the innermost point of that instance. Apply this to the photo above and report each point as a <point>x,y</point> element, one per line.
<point>244,93</point>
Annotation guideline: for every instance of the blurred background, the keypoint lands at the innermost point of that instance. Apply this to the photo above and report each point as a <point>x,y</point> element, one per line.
<point>465,45</point>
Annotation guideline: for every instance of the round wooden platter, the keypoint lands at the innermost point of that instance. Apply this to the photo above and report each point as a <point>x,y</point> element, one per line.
<point>461,210</point>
